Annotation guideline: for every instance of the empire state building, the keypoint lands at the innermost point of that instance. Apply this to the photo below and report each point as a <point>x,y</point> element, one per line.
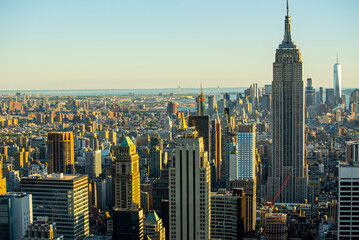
<point>288,160</point>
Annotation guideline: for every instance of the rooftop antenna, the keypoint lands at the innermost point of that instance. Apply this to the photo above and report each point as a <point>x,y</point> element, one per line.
<point>201,89</point>
<point>179,89</point>
<point>337,58</point>
<point>287,8</point>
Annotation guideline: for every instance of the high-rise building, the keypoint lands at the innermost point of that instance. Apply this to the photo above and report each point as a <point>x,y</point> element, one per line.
<point>228,213</point>
<point>216,145</point>
<point>155,162</point>
<point>171,108</point>
<point>321,95</point>
<point>202,126</point>
<point>353,152</point>
<point>330,97</point>
<point>153,227</point>
<point>309,94</point>
<point>127,176</point>
<point>15,215</point>
<point>128,224</point>
<point>246,151</point>
<point>348,211</point>
<point>60,155</point>
<point>201,104</point>
<point>288,123</point>
<point>160,190</point>
<point>190,188</point>
<point>254,95</point>
<point>64,199</point>
<point>93,167</point>
<point>276,226</point>
<point>249,187</point>
<point>212,105</point>
<point>21,159</point>
<point>337,82</point>
<point>2,177</point>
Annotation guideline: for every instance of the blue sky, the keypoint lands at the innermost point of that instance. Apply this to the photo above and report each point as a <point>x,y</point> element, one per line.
<point>86,44</point>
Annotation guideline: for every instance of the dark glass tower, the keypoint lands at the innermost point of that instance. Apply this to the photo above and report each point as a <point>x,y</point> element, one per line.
<point>288,123</point>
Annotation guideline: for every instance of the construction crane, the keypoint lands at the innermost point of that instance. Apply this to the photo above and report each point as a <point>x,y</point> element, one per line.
<point>278,193</point>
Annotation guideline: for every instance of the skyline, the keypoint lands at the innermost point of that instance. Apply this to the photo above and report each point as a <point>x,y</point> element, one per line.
<point>172,43</point>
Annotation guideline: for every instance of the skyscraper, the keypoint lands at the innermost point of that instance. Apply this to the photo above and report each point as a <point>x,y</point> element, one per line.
<point>201,104</point>
<point>330,97</point>
<point>216,144</point>
<point>127,176</point>
<point>64,199</point>
<point>337,82</point>
<point>246,151</point>
<point>202,126</point>
<point>15,215</point>
<point>348,211</point>
<point>60,155</point>
<point>309,94</point>
<point>190,189</point>
<point>228,213</point>
<point>212,105</point>
<point>288,123</point>
<point>93,163</point>
<point>2,178</point>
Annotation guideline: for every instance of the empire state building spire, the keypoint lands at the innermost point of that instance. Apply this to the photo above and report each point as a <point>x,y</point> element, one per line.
<point>287,41</point>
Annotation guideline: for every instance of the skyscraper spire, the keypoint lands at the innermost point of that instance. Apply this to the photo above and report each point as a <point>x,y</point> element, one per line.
<point>287,41</point>
<point>287,9</point>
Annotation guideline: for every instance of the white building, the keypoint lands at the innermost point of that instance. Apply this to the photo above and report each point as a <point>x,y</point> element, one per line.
<point>348,210</point>
<point>190,189</point>
<point>246,151</point>
<point>15,215</point>
<point>93,166</point>
<point>337,81</point>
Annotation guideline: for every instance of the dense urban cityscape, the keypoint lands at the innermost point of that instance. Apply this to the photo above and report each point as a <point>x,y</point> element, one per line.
<point>279,161</point>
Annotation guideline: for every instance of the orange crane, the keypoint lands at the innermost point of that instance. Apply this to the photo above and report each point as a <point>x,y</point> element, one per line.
<point>280,190</point>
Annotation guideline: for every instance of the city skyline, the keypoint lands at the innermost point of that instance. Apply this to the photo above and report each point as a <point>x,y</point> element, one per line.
<point>93,45</point>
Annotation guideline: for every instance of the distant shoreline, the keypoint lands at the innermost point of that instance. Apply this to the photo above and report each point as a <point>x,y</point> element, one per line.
<point>124,92</point>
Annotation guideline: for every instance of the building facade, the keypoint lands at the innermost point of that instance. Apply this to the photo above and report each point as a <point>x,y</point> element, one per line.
<point>190,188</point>
<point>15,215</point>
<point>60,152</point>
<point>337,82</point>
<point>288,123</point>
<point>127,176</point>
<point>64,199</point>
<point>228,213</point>
<point>348,210</point>
<point>128,224</point>
<point>246,151</point>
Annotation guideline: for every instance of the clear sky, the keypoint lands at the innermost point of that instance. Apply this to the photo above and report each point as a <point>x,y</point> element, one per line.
<point>89,44</point>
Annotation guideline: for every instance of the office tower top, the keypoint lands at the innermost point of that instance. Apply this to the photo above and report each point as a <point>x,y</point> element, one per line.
<point>202,126</point>
<point>201,104</point>
<point>190,187</point>
<point>127,176</point>
<point>60,155</point>
<point>309,93</point>
<point>287,42</point>
<point>337,81</point>
<point>63,198</point>
<point>288,123</point>
<point>16,215</point>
